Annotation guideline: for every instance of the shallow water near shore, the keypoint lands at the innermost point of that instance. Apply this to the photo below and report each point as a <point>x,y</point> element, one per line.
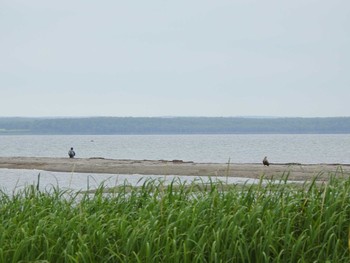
<point>238,148</point>
<point>12,180</point>
<point>280,148</point>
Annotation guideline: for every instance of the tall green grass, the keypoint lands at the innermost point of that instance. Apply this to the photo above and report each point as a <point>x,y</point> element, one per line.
<point>276,222</point>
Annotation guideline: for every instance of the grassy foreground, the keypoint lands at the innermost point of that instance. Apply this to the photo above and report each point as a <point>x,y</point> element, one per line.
<point>277,222</point>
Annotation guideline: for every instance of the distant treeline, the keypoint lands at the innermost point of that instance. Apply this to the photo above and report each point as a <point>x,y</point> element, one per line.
<point>174,125</point>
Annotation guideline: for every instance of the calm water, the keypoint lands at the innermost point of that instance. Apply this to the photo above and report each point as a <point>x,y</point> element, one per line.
<point>12,180</point>
<point>199,148</point>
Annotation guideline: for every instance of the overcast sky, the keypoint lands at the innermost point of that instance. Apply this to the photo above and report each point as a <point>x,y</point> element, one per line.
<point>175,58</point>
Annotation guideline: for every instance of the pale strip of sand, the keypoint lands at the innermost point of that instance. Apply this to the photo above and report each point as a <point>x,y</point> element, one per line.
<point>175,167</point>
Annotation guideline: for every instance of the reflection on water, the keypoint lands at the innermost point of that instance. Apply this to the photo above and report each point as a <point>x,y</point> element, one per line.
<point>13,179</point>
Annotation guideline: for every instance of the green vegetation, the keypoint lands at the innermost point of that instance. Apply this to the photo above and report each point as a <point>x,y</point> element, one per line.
<point>176,125</point>
<point>277,222</point>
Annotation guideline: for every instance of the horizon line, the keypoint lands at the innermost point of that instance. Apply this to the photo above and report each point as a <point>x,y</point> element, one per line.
<point>170,116</point>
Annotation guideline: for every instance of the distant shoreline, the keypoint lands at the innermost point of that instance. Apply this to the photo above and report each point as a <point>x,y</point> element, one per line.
<point>173,125</point>
<point>295,171</point>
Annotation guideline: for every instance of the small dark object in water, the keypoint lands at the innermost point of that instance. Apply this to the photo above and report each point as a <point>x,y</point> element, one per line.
<point>266,162</point>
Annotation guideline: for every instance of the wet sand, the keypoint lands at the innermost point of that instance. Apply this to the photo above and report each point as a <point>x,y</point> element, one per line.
<point>175,167</point>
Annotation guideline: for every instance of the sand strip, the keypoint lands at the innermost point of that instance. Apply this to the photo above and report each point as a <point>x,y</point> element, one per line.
<point>174,167</point>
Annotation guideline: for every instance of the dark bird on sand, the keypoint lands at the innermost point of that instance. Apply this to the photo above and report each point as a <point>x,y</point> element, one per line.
<point>266,162</point>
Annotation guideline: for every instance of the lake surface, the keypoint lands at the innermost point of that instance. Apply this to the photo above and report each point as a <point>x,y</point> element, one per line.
<point>12,180</point>
<point>301,148</point>
<point>198,148</point>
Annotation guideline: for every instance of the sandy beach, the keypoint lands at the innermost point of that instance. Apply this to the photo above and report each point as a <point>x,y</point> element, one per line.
<point>175,167</point>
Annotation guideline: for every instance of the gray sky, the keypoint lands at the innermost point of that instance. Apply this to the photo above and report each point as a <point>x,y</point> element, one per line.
<point>175,58</point>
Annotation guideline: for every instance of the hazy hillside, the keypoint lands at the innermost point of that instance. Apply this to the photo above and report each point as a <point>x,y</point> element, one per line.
<point>173,125</point>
